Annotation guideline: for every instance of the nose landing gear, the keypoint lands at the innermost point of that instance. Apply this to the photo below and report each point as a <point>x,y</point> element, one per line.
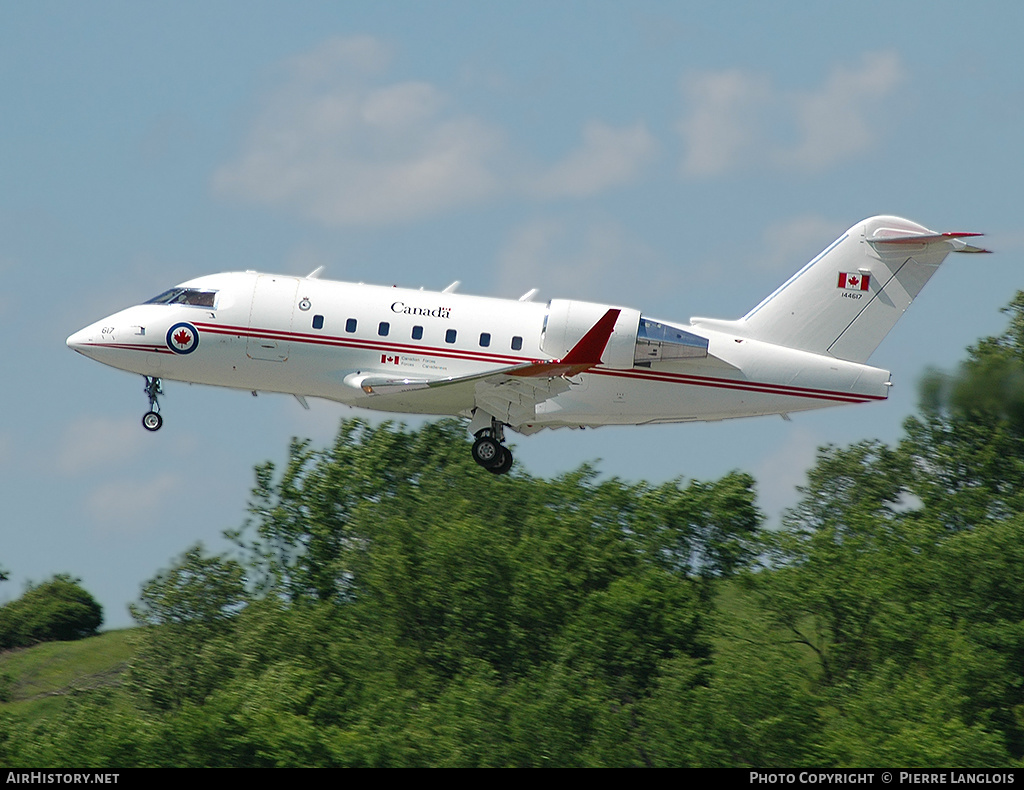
<point>152,420</point>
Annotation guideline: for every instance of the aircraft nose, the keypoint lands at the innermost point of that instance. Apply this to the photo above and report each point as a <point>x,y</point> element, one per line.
<point>84,340</point>
<point>77,340</point>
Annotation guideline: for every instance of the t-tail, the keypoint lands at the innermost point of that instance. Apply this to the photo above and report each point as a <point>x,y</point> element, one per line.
<point>845,301</point>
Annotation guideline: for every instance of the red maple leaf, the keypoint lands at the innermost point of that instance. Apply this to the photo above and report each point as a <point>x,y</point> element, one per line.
<point>853,280</point>
<point>182,337</point>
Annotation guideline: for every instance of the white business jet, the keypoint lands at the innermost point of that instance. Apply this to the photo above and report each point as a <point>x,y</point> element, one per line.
<point>525,365</point>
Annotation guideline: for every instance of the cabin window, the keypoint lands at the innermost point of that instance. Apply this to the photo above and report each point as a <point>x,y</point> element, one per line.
<point>318,322</point>
<point>383,328</point>
<point>350,325</point>
<point>449,336</point>
<point>417,333</point>
<point>485,339</point>
<point>517,343</point>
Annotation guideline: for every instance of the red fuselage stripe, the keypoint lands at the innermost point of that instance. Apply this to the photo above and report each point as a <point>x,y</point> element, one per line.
<point>502,359</point>
<point>132,347</point>
<point>736,384</point>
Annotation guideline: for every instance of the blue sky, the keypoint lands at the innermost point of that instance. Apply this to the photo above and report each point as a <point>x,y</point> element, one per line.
<point>680,158</point>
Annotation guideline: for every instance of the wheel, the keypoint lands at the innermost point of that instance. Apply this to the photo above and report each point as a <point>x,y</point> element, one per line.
<point>487,452</point>
<point>503,466</point>
<point>152,421</point>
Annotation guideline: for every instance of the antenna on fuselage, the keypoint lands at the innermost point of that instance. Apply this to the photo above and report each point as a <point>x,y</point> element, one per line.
<point>528,296</point>
<point>451,288</point>
<point>315,274</point>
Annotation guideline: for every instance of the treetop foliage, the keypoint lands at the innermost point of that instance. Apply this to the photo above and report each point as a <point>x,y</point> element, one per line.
<point>55,610</point>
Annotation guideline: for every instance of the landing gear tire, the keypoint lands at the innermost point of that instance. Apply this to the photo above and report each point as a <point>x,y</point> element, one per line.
<point>504,465</point>
<point>152,420</point>
<point>488,452</point>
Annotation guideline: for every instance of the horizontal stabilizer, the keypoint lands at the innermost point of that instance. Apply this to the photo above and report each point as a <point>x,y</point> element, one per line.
<point>886,236</point>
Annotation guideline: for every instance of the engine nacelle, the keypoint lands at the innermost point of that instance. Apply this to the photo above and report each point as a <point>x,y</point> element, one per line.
<point>568,321</point>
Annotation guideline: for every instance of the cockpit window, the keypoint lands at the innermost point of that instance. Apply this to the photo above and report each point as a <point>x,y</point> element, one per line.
<point>190,296</point>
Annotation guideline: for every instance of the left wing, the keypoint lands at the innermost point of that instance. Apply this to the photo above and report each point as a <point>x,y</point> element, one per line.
<point>510,393</point>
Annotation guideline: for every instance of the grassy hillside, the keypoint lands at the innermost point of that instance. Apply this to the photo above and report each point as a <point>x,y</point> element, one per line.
<point>35,681</point>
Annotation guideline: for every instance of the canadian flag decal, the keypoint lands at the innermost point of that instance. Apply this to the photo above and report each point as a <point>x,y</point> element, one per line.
<point>387,358</point>
<point>854,281</point>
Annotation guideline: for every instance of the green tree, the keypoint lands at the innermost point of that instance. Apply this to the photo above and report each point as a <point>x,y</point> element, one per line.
<point>391,604</point>
<point>409,610</point>
<point>56,610</point>
<point>966,449</point>
<point>910,717</point>
<point>190,609</point>
<point>900,569</point>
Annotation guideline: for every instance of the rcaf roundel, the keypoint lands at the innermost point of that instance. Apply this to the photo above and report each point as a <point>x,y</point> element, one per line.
<point>183,338</point>
<point>854,281</point>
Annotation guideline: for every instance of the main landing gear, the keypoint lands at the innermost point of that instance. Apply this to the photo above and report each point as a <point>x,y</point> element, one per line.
<point>152,420</point>
<point>489,452</point>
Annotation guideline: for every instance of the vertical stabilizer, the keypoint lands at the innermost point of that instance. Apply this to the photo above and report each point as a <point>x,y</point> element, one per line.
<point>845,301</point>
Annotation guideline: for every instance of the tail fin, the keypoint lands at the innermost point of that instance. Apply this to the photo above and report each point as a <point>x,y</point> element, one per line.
<point>845,301</point>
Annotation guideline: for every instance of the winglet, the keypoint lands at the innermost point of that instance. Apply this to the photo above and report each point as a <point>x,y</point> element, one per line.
<point>584,355</point>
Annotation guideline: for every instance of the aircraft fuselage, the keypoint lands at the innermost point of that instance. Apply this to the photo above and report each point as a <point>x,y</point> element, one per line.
<point>305,337</point>
<point>528,366</point>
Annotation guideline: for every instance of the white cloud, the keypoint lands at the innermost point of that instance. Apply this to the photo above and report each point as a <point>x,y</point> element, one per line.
<point>94,443</point>
<point>340,54</point>
<point>527,256</point>
<point>341,150</point>
<point>738,120</point>
<point>724,114</point>
<point>789,245</point>
<point>593,260</point>
<point>607,157</point>
<point>129,505</point>
<point>305,258</point>
<point>337,144</point>
<point>834,122</point>
<point>781,249</point>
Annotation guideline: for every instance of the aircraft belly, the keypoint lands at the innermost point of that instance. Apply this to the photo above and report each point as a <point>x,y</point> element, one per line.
<point>664,394</point>
<point>423,401</point>
<point>621,398</point>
